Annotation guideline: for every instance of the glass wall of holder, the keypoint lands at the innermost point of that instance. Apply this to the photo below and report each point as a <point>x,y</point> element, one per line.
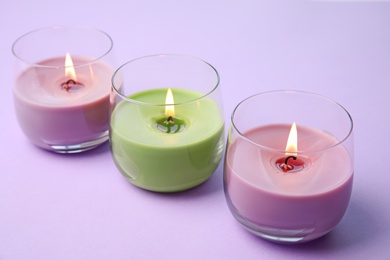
<point>166,127</point>
<point>289,165</point>
<point>62,87</point>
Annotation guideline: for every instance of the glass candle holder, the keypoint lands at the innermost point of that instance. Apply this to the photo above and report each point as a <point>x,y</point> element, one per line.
<point>289,165</point>
<point>166,127</point>
<point>62,87</point>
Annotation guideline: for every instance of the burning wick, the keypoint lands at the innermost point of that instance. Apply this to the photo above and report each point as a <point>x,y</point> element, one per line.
<point>291,153</point>
<point>287,166</point>
<point>172,124</point>
<point>170,120</point>
<point>71,85</point>
<point>290,166</point>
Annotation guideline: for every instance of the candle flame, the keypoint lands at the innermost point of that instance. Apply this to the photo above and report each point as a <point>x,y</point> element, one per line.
<point>169,107</point>
<point>69,67</point>
<point>292,141</point>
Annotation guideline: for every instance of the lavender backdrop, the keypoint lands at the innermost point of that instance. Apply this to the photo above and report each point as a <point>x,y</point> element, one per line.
<point>80,207</point>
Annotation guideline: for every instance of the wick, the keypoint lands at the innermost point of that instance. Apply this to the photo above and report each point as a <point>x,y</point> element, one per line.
<point>170,119</point>
<point>66,85</point>
<point>72,85</point>
<point>298,165</point>
<point>286,166</point>
<point>291,156</point>
<point>71,81</point>
<point>170,125</point>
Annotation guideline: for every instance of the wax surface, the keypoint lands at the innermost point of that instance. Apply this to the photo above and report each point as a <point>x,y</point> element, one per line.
<point>303,205</point>
<point>158,161</point>
<point>51,116</point>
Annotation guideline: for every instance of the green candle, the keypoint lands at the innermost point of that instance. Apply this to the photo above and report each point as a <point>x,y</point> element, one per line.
<point>157,160</point>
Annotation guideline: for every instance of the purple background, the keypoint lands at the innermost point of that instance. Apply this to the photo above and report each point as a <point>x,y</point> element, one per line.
<point>80,207</point>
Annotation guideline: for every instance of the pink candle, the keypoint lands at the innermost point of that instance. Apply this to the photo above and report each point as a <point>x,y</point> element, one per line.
<point>59,116</point>
<point>293,205</point>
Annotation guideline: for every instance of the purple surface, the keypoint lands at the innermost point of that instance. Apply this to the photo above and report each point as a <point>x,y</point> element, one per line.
<point>80,207</point>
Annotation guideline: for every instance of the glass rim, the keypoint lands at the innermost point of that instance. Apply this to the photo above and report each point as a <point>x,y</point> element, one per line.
<point>56,27</point>
<point>126,98</point>
<point>339,142</point>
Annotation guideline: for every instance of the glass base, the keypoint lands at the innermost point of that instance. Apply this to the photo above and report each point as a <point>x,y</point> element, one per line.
<point>169,189</point>
<point>285,236</point>
<point>77,148</point>
<point>278,235</point>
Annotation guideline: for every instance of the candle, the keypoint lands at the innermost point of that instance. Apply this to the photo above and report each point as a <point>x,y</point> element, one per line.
<point>62,87</point>
<point>156,158</point>
<point>61,111</point>
<point>288,169</point>
<point>299,205</point>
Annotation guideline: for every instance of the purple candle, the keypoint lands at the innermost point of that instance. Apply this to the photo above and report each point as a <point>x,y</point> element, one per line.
<point>62,87</point>
<point>288,182</point>
<point>308,201</point>
<point>64,107</point>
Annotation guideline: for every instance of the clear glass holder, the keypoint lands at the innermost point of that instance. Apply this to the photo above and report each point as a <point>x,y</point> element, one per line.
<point>62,87</point>
<point>286,182</point>
<point>167,127</point>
